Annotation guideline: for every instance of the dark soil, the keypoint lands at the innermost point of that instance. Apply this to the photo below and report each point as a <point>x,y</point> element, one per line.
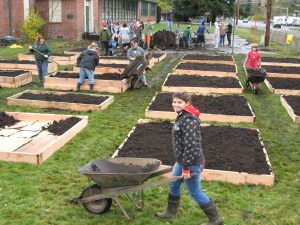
<point>201,81</point>
<point>72,98</point>
<point>283,69</point>
<point>294,102</point>
<point>105,76</point>
<point>164,39</point>
<point>105,166</point>
<point>11,73</point>
<point>6,120</point>
<point>206,67</point>
<point>284,83</point>
<point>60,127</point>
<point>208,57</point>
<point>17,61</point>
<point>225,105</point>
<point>280,60</point>
<point>77,50</point>
<point>112,65</point>
<point>225,148</point>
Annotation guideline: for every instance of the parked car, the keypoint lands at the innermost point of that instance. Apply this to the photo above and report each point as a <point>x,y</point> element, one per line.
<point>245,20</point>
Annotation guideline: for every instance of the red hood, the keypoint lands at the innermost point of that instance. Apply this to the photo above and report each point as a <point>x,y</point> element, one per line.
<point>192,109</point>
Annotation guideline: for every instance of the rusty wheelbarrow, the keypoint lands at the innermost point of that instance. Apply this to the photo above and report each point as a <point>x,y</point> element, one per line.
<point>254,77</point>
<point>116,176</point>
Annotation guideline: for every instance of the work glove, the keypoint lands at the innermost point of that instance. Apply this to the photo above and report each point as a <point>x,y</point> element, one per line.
<point>30,47</point>
<point>46,56</point>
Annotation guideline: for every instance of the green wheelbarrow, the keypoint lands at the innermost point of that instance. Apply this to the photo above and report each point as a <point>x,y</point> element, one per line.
<point>116,176</point>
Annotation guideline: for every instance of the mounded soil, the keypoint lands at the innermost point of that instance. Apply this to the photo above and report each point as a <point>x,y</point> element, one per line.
<point>284,83</point>
<point>17,61</point>
<point>280,60</point>
<point>112,65</point>
<point>164,39</point>
<point>294,102</point>
<point>208,57</point>
<point>6,120</point>
<point>224,105</point>
<point>225,148</point>
<point>206,67</point>
<point>11,73</point>
<point>71,98</point>
<point>283,69</point>
<point>105,76</point>
<point>60,127</point>
<point>202,81</point>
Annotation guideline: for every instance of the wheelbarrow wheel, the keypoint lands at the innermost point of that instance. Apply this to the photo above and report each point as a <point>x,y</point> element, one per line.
<point>98,206</point>
<point>133,81</point>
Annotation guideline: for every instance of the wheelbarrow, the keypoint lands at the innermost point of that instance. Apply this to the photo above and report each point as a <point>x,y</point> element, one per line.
<point>116,176</point>
<point>254,77</point>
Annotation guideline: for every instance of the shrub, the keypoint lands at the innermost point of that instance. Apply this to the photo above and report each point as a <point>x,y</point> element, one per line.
<point>31,26</point>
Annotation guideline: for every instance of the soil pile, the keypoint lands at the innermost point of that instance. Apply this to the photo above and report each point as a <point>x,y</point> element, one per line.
<point>105,76</point>
<point>294,102</point>
<point>71,98</point>
<point>206,67</point>
<point>280,60</point>
<point>256,75</point>
<point>225,105</point>
<point>6,120</point>
<point>60,127</point>
<point>283,69</point>
<point>225,147</point>
<point>201,81</point>
<point>164,39</point>
<point>17,61</point>
<point>11,73</point>
<point>284,83</point>
<point>208,57</point>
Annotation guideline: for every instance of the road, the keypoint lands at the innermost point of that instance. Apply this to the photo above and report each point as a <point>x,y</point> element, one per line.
<point>262,26</point>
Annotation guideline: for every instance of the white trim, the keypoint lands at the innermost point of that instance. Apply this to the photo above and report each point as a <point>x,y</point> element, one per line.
<point>89,3</point>
<point>26,8</point>
<point>55,11</point>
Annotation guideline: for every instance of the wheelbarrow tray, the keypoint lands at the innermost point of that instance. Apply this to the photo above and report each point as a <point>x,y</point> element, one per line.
<point>121,172</point>
<point>256,75</point>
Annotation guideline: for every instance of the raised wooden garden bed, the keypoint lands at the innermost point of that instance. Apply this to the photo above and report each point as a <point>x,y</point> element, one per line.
<point>283,71</point>
<point>202,84</point>
<point>14,78</point>
<point>74,51</point>
<point>103,82</point>
<point>25,65</point>
<point>62,59</point>
<point>106,68</point>
<point>271,61</point>
<point>28,141</point>
<point>292,106</point>
<point>61,100</point>
<point>209,59</point>
<point>206,69</point>
<point>284,86</point>
<point>226,108</point>
<point>234,155</point>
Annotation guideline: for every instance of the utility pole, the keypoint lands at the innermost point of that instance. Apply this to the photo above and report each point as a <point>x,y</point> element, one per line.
<point>237,12</point>
<point>268,23</point>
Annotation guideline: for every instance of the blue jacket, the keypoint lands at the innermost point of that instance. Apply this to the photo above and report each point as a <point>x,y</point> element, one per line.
<point>201,30</point>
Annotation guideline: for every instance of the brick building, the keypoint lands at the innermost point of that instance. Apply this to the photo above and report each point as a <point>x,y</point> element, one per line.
<point>69,19</point>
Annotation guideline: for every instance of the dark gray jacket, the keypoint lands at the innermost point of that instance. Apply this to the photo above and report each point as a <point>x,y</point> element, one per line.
<point>186,139</point>
<point>88,59</point>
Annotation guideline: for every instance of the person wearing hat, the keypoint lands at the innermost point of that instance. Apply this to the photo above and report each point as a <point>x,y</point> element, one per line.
<point>88,60</point>
<point>253,60</point>
<point>105,36</point>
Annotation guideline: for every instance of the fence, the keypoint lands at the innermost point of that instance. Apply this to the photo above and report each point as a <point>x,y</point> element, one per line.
<point>280,38</point>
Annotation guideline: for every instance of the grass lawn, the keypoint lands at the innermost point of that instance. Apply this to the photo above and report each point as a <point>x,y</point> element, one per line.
<point>40,194</point>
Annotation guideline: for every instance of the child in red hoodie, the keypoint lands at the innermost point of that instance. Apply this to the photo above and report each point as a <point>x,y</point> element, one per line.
<point>186,139</point>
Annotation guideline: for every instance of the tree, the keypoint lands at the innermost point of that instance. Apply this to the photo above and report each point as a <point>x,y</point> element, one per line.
<point>31,26</point>
<point>164,4</point>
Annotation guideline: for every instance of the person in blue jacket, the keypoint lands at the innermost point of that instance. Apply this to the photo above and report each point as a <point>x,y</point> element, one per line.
<point>200,34</point>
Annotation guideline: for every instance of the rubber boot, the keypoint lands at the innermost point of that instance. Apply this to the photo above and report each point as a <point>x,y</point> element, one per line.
<point>91,87</point>
<point>173,204</point>
<point>211,212</point>
<point>78,87</point>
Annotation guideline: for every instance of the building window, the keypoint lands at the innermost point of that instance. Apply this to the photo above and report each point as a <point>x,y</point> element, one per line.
<point>144,8</point>
<point>153,9</point>
<point>55,11</point>
<point>119,10</point>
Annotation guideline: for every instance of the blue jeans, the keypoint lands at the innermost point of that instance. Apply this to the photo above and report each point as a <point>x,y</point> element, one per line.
<point>193,184</point>
<point>85,72</point>
<point>143,79</point>
<point>42,68</point>
<point>169,25</point>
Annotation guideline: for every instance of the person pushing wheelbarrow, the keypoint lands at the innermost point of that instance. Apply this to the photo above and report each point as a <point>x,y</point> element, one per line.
<point>252,65</point>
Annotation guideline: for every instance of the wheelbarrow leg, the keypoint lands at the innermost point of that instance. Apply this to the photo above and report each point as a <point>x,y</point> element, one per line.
<point>122,209</point>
